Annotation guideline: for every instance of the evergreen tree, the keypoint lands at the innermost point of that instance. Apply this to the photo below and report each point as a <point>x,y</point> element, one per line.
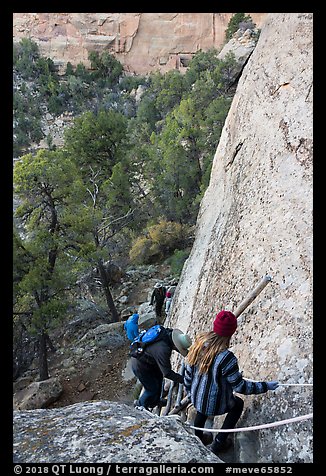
<point>96,139</point>
<point>97,145</point>
<point>201,62</point>
<point>106,67</point>
<point>43,185</point>
<point>235,22</point>
<point>176,171</point>
<point>170,94</point>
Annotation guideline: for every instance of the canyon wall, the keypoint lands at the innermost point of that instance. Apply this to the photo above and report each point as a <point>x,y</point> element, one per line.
<point>142,42</point>
<point>256,219</point>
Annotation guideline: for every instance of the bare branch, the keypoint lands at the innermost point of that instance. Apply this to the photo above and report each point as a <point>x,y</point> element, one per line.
<point>96,189</point>
<point>94,174</point>
<point>93,196</point>
<point>116,220</point>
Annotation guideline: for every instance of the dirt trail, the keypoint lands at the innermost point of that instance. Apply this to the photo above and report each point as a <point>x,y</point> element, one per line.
<point>99,379</point>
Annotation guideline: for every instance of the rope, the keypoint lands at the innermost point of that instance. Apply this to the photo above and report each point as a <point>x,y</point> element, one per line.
<point>284,384</point>
<point>258,427</point>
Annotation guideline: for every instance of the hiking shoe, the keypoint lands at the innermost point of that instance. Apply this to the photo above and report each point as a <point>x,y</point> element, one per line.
<point>138,405</point>
<point>217,447</point>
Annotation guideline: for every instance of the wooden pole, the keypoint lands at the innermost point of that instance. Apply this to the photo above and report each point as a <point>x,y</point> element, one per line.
<point>180,387</point>
<point>169,400</point>
<point>258,289</point>
<point>184,402</point>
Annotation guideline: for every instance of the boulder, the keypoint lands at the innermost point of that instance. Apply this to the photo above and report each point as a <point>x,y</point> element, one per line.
<point>38,394</point>
<point>104,432</point>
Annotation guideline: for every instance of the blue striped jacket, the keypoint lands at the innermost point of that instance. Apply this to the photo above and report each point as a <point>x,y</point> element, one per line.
<point>212,392</point>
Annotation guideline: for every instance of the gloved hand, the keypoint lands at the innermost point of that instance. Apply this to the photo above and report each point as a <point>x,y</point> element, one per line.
<point>272,385</point>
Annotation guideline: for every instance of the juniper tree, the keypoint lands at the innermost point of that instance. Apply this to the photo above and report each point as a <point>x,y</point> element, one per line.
<point>44,185</point>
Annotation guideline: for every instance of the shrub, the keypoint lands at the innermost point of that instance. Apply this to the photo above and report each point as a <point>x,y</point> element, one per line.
<point>161,240</point>
<point>140,251</point>
<point>25,56</point>
<point>177,260</point>
<point>168,235</point>
<point>128,83</point>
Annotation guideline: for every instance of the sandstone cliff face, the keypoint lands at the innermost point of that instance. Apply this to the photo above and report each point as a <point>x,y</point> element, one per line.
<point>256,219</point>
<point>142,42</point>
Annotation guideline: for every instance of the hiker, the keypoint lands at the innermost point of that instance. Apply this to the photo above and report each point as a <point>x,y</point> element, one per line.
<point>131,326</point>
<point>154,365</point>
<point>168,302</point>
<point>158,297</point>
<point>171,289</point>
<point>212,376</point>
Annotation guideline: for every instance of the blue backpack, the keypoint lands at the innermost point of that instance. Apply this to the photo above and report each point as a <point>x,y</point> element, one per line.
<point>138,345</point>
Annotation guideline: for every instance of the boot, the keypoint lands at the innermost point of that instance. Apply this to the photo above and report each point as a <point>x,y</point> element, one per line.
<point>218,447</point>
<point>206,438</point>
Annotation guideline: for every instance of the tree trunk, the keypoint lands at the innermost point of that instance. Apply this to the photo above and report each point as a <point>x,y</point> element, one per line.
<point>50,343</point>
<point>43,358</point>
<point>107,292</point>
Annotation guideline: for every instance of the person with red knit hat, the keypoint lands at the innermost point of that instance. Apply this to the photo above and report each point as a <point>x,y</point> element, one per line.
<point>212,376</point>
<point>168,302</point>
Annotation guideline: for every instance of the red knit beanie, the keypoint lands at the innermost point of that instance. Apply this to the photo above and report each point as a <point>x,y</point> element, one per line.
<point>225,324</point>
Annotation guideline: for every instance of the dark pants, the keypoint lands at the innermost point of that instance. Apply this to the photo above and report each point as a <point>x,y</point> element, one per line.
<point>152,383</point>
<point>158,309</point>
<point>230,420</point>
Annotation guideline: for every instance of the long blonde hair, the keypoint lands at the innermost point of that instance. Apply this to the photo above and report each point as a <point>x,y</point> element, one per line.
<point>204,349</point>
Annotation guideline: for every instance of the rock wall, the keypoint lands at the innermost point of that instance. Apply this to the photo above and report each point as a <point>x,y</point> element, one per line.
<point>256,219</point>
<point>142,42</point>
